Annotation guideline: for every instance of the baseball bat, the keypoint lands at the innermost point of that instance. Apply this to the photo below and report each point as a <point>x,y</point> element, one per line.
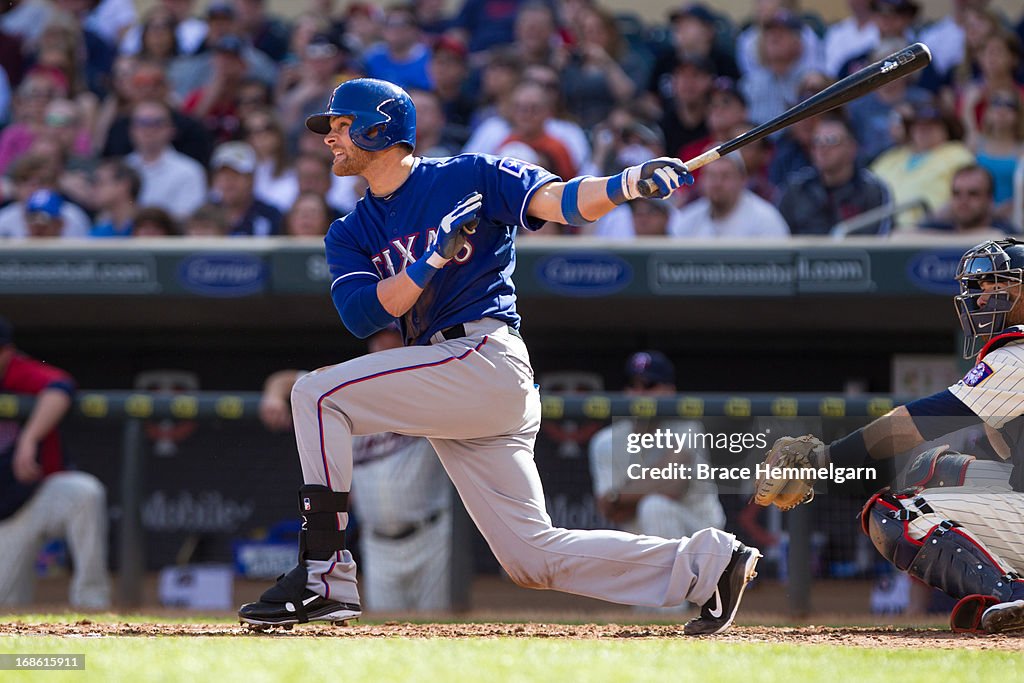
<point>903,63</point>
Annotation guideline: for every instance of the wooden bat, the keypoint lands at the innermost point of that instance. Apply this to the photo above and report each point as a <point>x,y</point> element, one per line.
<point>903,63</point>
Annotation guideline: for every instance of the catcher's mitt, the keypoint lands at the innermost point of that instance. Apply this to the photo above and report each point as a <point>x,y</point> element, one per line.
<point>787,451</point>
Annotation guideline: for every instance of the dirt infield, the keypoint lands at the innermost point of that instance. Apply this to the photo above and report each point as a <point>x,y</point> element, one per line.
<point>891,637</point>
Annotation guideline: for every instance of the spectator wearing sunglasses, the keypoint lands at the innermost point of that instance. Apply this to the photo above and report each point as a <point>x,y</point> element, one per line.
<point>833,189</point>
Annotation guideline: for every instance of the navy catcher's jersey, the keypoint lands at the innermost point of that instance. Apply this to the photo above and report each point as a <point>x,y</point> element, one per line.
<point>383,235</point>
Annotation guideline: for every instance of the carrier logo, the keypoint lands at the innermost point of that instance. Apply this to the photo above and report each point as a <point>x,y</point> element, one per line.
<point>935,271</point>
<point>222,275</point>
<point>584,274</point>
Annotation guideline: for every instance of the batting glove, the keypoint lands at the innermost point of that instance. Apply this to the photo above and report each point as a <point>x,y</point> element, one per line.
<point>666,175</point>
<point>451,234</point>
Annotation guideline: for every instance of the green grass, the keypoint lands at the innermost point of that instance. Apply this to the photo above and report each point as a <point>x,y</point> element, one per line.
<point>496,660</point>
<point>223,659</point>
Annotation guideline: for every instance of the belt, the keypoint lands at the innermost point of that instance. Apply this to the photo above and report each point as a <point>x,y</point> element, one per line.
<point>409,529</point>
<point>459,331</point>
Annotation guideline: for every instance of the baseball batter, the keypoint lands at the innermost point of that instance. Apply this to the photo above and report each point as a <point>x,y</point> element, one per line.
<point>954,522</point>
<point>431,244</point>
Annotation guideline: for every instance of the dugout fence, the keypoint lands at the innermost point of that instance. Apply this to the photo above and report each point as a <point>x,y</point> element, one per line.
<point>797,561</point>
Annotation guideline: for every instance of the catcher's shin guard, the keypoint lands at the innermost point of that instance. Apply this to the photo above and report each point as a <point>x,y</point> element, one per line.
<point>937,467</point>
<point>289,601</point>
<point>948,557</point>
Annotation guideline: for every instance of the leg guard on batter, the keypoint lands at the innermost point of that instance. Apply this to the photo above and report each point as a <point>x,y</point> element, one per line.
<point>320,536</point>
<point>948,557</point>
<point>290,600</point>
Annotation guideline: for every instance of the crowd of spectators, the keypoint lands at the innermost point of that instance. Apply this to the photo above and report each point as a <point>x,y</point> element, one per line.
<point>188,119</point>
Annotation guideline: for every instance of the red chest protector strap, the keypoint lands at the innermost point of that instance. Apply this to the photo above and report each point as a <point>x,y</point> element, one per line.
<point>1005,337</point>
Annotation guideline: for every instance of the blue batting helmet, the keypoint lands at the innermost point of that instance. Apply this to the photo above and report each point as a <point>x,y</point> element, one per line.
<point>383,114</point>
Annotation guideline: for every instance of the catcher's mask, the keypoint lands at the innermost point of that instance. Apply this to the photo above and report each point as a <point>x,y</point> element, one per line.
<point>984,313</point>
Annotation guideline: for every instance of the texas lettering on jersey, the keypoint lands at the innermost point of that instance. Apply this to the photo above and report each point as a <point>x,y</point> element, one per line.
<point>383,235</point>
<point>405,250</point>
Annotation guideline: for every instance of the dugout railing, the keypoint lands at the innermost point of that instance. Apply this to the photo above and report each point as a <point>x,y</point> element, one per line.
<point>135,408</point>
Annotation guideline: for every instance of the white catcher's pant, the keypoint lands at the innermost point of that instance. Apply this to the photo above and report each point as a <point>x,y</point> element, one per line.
<point>69,505</point>
<point>985,506</point>
<point>474,398</point>
<point>410,573</point>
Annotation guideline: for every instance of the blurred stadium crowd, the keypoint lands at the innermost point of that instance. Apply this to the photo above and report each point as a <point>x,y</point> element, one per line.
<point>187,119</point>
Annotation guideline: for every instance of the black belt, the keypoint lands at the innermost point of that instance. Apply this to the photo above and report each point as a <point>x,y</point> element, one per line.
<point>458,331</point>
<point>409,529</point>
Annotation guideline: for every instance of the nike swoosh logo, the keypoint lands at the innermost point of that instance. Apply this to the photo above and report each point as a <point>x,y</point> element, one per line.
<point>717,611</point>
<point>291,606</point>
<point>310,599</point>
<point>981,327</point>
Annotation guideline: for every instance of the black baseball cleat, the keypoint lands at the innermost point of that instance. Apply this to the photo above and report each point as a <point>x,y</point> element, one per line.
<point>1005,616</point>
<point>289,602</point>
<point>717,613</point>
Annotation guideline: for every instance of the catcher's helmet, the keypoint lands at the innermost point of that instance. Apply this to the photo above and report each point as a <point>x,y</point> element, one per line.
<point>997,261</point>
<point>383,114</point>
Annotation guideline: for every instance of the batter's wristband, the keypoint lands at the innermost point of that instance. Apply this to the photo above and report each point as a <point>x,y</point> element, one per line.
<point>614,189</point>
<point>571,202</point>
<point>420,271</point>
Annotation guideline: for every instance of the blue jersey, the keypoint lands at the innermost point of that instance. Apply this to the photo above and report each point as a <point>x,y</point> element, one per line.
<point>383,235</point>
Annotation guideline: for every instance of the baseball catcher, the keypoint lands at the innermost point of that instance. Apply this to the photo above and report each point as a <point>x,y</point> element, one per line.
<point>953,521</point>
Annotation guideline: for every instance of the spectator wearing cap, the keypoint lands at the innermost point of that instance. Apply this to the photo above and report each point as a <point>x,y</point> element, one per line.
<point>170,180</point>
<point>851,36</point>
<point>671,507</point>
<point>259,28</point>
<point>638,218</point>
<point>834,189</point>
<point>215,103</point>
<point>449,78</point>
<point>748,44</point>
<point>726,109</point>
<point>694,30</point>
<point>772,85</point>
<point>728,210</point>
<point>190,72</point>
<point>233,167</point>
<point>402,56</point>
<point>622,140</point>
<point>32,173</point>
<point>303,88</point>
<point>189,30</point>
<point>972,209</point>
<point>115,191</point>
<point>145,80</point>
<point>361,26</point>
<point>42,215</point>
<point>41,495</point>
<point>602,71</point>
<point>684,114</point>
<point>921,170</point>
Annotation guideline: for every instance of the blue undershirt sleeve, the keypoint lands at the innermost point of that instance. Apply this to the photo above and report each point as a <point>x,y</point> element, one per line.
<point>359,307</point>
